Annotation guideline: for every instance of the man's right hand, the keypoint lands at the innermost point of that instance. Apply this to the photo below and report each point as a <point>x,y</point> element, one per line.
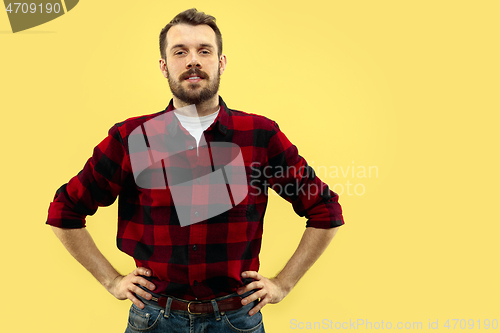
<point>124,287</point>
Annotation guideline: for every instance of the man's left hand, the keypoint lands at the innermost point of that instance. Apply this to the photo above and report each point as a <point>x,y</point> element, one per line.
<point>270,291</point>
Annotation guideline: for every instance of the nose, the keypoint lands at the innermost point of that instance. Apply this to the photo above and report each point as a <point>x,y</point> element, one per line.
<point>192,61</point>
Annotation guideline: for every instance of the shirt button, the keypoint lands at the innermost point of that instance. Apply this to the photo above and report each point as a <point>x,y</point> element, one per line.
<point>195,247</point>
<point>190,147</point>
<point>195,283</point>
<point>196,214</point>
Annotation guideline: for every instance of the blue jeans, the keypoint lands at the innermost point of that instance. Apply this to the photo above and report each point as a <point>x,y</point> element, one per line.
<point>155,319</point>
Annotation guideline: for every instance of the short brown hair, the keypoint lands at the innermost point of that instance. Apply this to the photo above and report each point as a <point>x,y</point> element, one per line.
<point>192,17</point>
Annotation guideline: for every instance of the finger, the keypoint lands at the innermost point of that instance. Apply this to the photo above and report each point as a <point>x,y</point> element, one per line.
<point>142,271</point>
<point>251,274</point>
<point>251,286</point>
<point>135,300</point>
<point>141,292</point>
<point>258,307</point>
<point>143,282</point>
<point>255,296</point>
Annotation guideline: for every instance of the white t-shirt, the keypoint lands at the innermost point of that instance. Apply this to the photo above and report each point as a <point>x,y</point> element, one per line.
<point>197,125</point>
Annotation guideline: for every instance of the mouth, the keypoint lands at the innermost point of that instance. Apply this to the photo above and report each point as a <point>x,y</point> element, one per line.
<point>194,79</point>
<point>194,76</point>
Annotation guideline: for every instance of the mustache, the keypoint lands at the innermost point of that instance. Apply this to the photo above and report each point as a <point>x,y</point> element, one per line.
<point>195,71</point>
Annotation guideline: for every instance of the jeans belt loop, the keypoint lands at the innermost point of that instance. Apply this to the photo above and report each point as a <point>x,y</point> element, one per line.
<point>216,309</point>
<point>167,307</point>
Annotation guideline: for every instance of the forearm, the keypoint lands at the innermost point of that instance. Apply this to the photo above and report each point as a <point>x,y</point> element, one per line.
<point>80,244</point>
<point>313,243</point>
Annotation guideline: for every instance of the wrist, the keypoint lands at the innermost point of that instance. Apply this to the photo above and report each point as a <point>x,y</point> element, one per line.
<point>111,282</point>
<point>284,284</point>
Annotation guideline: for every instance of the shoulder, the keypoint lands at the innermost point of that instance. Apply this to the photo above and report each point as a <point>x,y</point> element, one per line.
<point>124,128</point>
<point>250,121</point>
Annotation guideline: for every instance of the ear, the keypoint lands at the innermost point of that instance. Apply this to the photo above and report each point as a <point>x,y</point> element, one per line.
<point>163,67</point>
<point>223,63</point>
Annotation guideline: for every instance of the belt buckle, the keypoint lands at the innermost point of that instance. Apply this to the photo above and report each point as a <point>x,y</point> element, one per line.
<point>189,310</point>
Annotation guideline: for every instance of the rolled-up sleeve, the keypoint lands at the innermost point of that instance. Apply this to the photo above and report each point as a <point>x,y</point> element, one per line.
<point>295,181</point>
<point>97,184</point>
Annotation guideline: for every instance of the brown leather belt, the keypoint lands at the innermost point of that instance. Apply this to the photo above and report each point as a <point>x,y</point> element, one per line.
<point>199,307</point>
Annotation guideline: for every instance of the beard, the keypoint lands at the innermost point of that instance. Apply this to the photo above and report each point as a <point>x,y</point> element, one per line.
<point>194,95</point>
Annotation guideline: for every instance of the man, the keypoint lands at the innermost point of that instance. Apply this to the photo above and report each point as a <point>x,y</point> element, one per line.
<point>201,273</point>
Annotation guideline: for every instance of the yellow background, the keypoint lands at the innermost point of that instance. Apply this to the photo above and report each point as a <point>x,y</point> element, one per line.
<point>410,88</point>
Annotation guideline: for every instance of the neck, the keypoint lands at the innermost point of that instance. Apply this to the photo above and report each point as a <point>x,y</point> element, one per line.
<point>204,109</point>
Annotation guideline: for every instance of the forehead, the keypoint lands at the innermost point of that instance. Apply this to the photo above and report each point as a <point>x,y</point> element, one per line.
<point>190,35</point>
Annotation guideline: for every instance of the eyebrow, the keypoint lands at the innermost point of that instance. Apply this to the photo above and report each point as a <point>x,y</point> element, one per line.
<point>199,45</point>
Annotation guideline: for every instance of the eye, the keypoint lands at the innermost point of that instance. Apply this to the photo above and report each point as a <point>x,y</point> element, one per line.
<point>205,52</point>
<point>178,52</point>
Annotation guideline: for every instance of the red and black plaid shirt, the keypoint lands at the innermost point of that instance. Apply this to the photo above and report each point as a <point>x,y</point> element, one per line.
<point>205,259</point>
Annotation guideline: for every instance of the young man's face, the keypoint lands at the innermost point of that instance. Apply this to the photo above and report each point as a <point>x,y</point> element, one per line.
<point>192,67</point>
